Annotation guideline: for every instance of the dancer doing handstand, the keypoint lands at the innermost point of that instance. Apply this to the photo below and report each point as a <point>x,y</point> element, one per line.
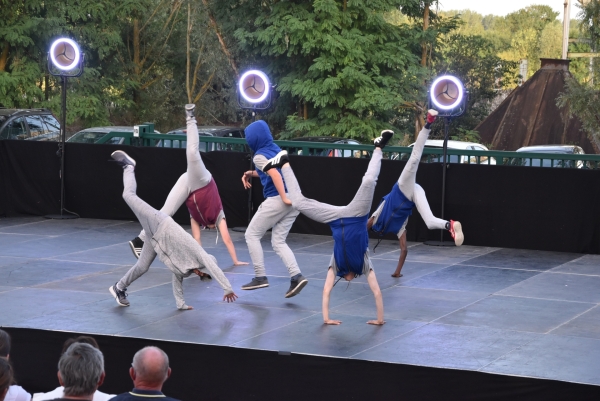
<point>173,245</point>
<point>392,214</point>
<point>348,223</point>
<point>197,188</point>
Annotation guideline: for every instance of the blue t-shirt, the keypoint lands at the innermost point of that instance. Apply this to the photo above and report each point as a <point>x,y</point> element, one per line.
<point>351,241</point>
<point>395,211</point>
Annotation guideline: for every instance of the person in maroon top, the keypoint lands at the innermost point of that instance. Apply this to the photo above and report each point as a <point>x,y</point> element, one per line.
<point>197,188</point>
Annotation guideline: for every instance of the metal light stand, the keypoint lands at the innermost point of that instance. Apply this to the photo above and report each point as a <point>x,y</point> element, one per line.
<point>441,242</point>
<point>244,102</point>
<point>64,214</point>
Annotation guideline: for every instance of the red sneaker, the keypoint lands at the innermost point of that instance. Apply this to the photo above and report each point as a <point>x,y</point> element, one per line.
<point>456,232</point>
<point>431,115</point>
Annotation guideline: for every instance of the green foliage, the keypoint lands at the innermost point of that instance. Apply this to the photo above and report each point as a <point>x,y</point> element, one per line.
<point>582,101</point>
<point>342,61</point>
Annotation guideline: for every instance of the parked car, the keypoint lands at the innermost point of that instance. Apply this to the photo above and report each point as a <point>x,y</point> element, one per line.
<point>439,143</point>
<point>329,152</point>
<point>214,131</point>
<point>93,135</point>
<point>29,125</point>
<point>559,149</point>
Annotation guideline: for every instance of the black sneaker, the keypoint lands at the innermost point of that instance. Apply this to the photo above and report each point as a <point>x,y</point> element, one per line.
<point>276,162</point>
<point>296,285</point>
<point>122,158</point>
<point>382,140</point>
<point>120,296</point>
<point>136,246</point>
<point>190,109</point>
<point>257,282</point>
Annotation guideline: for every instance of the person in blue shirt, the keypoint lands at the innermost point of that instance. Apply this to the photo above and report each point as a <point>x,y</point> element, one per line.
<point>348,224</point>
<point>392,214</point>
<point>274,212</point>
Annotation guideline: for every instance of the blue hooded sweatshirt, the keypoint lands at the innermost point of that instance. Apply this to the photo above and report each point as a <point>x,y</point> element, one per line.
<point>260,140</point>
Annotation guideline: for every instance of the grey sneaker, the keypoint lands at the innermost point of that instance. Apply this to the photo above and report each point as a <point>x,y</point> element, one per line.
<point>122,158</point>
<point>190,109</point>
<point>257,282</point>
<point>296,285</point>
<point>277,162</point>
<point>136,246</point>
<point>120,296</point>
<point>382,140</point>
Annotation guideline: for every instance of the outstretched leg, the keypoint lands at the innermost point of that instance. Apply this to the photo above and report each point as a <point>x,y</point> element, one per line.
<point>324,212</point>
<point>150,219</point>
<point>198,175</point>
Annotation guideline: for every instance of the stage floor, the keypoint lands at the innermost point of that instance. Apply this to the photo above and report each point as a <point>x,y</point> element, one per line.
<point>504,311</point>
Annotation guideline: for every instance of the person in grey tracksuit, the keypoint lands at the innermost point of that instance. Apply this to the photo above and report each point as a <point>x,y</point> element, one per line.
<point>178,250</point>
<point>275,212</point>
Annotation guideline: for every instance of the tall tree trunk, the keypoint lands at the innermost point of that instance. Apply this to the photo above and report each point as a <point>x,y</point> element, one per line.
<point>4,56</point>
<point>137,67</point>
<point>213,23</point>
<point>188,63</point>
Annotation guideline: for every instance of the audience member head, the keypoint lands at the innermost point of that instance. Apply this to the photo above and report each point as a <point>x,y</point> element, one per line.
<point>4,344</point>
<point>81,339</point>
<point>6,377</point>
<point>81,370</point>
<point>150,368</point>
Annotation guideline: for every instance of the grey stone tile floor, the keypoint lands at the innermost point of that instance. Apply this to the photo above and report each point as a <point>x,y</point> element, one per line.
<point>503,311</point>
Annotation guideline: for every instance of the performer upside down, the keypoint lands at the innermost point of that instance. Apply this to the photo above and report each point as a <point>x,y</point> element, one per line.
<point>197,188</point>
<point>392,214</point>
<point>348,223</point>
<point>173,245</point>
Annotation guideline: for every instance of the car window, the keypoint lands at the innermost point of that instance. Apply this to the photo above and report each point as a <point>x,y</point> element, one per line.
<point>52,124</point>
<point>36,126</point>
<point>87,137</point>
<point>15,129</point>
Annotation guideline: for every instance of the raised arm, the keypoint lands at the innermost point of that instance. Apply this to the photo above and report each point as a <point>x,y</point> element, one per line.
<point>372,280</point>
<point>229,243</point>
<point>326,293</point>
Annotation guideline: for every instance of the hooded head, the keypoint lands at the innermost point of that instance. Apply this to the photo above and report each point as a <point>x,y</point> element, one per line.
<point>260,140</point>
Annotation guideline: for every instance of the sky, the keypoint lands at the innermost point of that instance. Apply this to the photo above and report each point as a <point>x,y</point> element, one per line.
<point>503,7</point>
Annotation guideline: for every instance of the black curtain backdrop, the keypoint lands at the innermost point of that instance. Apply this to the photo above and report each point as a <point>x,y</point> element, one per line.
<point>502,206</point>
<point>208,372</point>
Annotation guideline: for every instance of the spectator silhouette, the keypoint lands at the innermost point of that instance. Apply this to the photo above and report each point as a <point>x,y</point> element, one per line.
<point>149,370</point>
<point>13,392</point>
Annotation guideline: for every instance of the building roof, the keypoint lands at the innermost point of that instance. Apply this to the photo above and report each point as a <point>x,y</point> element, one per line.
<point>529,115</point>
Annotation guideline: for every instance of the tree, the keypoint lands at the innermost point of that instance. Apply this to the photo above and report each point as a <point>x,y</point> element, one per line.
<point>338,63</point>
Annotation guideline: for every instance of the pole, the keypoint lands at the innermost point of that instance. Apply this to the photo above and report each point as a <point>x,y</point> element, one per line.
<point>63,127</point>
<point>566,25</point>
<point>444,168</point>
<point>61,154</point>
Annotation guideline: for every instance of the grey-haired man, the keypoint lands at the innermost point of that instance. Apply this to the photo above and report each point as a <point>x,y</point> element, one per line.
<point>80,371</point>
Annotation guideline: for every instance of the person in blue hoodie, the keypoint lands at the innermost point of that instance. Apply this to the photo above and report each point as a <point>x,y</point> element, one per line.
<point>276,212</point>
<point>348,224</point>
<point>394,209</point>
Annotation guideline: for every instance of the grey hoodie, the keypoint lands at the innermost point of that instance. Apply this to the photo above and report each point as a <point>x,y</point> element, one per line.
<point>180,252</point>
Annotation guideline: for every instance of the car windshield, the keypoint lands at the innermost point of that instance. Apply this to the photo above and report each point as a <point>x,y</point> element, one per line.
<point>87,137</point>
<point>2,119</point>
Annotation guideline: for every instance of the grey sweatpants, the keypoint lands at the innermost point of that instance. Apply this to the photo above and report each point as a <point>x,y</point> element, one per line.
<point>324,212</point>
<point>197,176</point>
<point>413,191</point>
<point>149,218</point>
<point>275,214</point>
